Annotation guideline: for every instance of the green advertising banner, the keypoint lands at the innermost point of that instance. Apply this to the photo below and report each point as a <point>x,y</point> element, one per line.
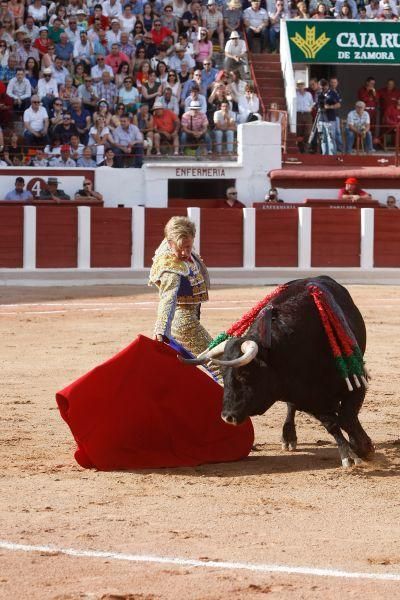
<point>326,41</point>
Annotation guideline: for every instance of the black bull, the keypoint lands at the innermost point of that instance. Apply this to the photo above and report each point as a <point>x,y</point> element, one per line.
<point>294,364</point>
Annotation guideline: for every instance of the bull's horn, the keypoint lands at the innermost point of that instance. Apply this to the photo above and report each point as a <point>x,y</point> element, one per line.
<point>249,349</point>
<point>205,356</point>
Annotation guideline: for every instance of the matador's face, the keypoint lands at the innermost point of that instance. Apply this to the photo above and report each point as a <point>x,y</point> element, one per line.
<point>183,249</point>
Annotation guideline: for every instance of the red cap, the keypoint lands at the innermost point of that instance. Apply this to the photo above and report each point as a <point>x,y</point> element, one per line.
<point>65,148</point>
<point>351,180</point>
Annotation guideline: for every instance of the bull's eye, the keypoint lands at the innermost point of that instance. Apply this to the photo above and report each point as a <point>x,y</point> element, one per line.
<point>240,376</point>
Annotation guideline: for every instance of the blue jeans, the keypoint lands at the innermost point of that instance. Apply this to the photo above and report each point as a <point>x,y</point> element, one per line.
<point>135,159</point>
<point>187,139</point>
<point>263,35</point>
<point>327,131</point>
<point>219,136</point>
<point>274,37</point>
<point>338,136</point>
<point>351,136</point>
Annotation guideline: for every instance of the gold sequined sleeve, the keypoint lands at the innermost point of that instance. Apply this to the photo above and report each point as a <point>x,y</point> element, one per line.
<point>168,286</point>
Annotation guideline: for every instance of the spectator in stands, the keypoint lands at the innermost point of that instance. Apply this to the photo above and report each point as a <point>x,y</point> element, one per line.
<point>47,89</point>
<point>86,161</point>
<point>109,159</point>
<point>144,121</point>
<point>32,73</point>
<point>272,197</point>
<point>301,11</point>
<point>334,85</point>
<point>30,28</point>
<point>213,23</point>
<point>166,127</point>
<point>231,200</point>
<point>26,51</point>
<point>36,123</point>
<point>275,17</point>
<point>391,202</point>
<point>391,118</point>
<point>151,90</point>
<point>81,118</point>
<point>358,126</point>
<point>169,101</point>
<point>19,90</point>
<point>76,147</point>
<point>388,97</point>
<point>128,95</point>
<point>236,89</point>
<point>38,12</point>
<point>232,14</point>
<point>195,96</point>
<point>13,152</point>
<point>328,103</point>
<point>56,114</point>
<point>99,138</point>
<point>88,93</point>
<point>51,191</point>
<point>249,105</point>
<point>98,69</point>
<point>65,130</point>
<point>83,49</point>
<point>203,48</point>
<point>59,71</point>
<point>235,53</point>
<point>304,103</point>
<point>18,194</point>
<point>88,193</point>
<point>194,124</point>
<point>39,159</point>
<point>225,128</point>
<point>107,90</point>
<point>128,144</point>
<point>65,49</point>
<point>352,191</point>
<point>65,161</point>
<point>368,94</point>
<point>256,22</point>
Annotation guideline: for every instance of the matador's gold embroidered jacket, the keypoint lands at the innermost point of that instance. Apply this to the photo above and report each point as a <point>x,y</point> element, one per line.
<point>180,283</point>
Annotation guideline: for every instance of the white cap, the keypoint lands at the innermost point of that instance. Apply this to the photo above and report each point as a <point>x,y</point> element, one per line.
<point>234,35</point>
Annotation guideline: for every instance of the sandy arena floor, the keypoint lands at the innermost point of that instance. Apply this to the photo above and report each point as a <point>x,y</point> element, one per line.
<point>295,510</point>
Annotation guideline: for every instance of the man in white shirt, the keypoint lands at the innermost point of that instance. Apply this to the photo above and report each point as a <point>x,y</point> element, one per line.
<point>304,106</point>
<point>180,56</point>
<point>113,35</point>
<point>99,68</point>
<point>19,90</point>
<point>256,22</point>
<point>47,88</point>
<point>83,49</point>
<point>59,72</point>
<point>358,125</point>
<point>36,123</point>
<point>72,30</point>
<point>112,8</point>
<point>195,96</point>
<point>170,102</point>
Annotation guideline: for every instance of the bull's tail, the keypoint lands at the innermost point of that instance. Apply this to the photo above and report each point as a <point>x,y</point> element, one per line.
<point>345,349</point>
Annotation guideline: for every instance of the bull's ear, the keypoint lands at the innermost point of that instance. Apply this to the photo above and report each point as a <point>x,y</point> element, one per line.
<point>264,329</point>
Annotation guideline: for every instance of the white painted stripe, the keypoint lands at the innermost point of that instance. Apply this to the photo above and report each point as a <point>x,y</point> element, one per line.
<point>188,562</point>
<point>101,309</point>
<point>150,302</point>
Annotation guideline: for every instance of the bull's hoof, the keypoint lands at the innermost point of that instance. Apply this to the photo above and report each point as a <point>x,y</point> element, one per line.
<point>351,460</point>
<point>289,446</point>
<point>346,463</point>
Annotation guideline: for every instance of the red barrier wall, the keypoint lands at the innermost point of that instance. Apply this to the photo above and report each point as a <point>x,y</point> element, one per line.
<point>222,237</point>
<point>276,238</point>
<point>56,237</point>
<point>335,237</point>
<point>155,221</point>
<point>111,237</point>
<point>11,237</point>
<point>387,238</point>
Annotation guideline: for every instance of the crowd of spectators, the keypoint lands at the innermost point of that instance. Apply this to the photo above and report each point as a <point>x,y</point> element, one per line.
<point>370,124</point>
<point>86,84</point>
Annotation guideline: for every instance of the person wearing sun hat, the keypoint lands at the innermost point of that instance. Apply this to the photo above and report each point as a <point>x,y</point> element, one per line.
<point>235,52</point>
<point>352,191</point>
<point>51,191</point>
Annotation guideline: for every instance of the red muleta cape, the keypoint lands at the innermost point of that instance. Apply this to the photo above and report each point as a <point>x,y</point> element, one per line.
<point>142,408</point>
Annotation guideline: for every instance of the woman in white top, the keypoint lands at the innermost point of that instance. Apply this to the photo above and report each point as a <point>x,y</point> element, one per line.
<point>174,84</point>
<point>249,105</point>
<point>99,135</point>
<point>235,52</point>
<point>128,19</point>
<point>38,11</point>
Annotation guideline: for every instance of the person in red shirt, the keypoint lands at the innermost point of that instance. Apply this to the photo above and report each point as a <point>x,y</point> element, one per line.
<point>391,118</point>
<point>115,58</point>
<point>166,126</point>
<point>98,14</point>
<point>6,105</point>
<point>231,199</point>
<point>388,95</point>
<point>352,191</point>
<point>159,33</point>
<point>368,94</point>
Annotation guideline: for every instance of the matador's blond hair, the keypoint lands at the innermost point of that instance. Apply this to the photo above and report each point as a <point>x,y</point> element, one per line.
<point>179,228</point>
